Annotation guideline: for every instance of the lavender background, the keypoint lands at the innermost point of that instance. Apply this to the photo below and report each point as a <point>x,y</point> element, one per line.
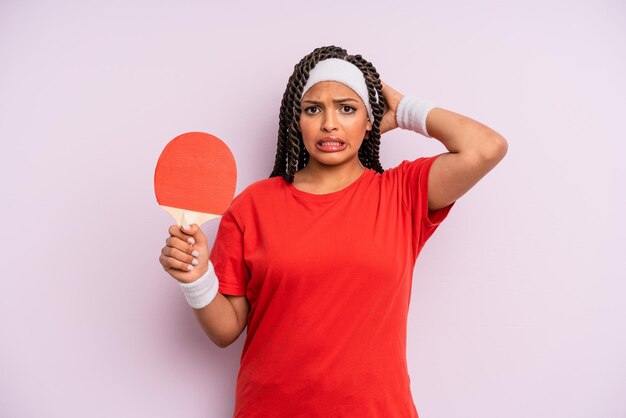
<point>517,306</point>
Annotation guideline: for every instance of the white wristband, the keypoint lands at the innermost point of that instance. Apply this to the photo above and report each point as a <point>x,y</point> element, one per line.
<point>411,114</point>
<point>202,291</point>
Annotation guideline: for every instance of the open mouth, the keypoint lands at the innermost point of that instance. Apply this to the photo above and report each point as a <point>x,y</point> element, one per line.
<point>330,144</point>
<point>325,143</point>
<point>331,141</point>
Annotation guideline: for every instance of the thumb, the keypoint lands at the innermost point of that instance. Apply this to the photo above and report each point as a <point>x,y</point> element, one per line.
<point>195,231</point>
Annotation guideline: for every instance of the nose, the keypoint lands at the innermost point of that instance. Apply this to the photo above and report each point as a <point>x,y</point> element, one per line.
<point>329,122</point>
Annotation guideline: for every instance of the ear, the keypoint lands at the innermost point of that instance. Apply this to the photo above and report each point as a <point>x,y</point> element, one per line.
<point>368,128</point>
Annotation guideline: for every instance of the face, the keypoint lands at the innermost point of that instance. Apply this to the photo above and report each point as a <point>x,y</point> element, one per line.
<point>333,123</point>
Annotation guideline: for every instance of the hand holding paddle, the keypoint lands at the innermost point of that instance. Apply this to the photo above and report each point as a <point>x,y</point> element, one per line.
<point>185,255</point>
<point>194,181</point>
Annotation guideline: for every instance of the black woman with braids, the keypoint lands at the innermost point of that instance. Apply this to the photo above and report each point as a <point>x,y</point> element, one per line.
<point>317,260</point>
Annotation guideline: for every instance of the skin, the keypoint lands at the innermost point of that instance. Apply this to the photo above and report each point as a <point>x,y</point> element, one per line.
<point>474,149</point>
<point>321,117</point>
<point>225,318</point>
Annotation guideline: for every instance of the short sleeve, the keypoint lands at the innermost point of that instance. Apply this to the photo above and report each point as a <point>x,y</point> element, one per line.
<point>415,191</point>
<point>228,258</point>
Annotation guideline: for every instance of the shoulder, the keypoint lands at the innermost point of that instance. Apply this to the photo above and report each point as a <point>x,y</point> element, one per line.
<point>258,191</point>
<point>262,187</point>
<point>409,168</point>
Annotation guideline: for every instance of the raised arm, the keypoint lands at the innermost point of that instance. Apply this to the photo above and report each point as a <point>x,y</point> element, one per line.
<point>474,150</point>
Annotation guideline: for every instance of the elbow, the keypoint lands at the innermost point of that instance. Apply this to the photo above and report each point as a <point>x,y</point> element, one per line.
<point>223,343</point>
<point>496,148</point>
<point>503,145</point>
<point>227,340</point>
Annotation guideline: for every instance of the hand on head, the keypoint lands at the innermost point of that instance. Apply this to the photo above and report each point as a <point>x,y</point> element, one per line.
<point>393,98</point>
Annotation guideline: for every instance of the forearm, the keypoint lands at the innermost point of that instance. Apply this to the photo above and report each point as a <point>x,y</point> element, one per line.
<point>219,321</point>
<point>215,312</point>
<point>461,134</point>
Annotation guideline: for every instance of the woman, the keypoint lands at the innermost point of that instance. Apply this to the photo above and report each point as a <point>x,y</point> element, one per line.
<point>317,260</point>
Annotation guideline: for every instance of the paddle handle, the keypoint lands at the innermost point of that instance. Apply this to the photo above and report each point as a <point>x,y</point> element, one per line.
<point>188,216</point>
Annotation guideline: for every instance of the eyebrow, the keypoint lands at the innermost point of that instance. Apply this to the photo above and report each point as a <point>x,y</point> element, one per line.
<point>334,101</point>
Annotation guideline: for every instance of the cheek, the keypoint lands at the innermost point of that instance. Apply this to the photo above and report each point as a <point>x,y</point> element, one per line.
<point>302,123</point>
<point>358,129</point>
<point>307,129</point>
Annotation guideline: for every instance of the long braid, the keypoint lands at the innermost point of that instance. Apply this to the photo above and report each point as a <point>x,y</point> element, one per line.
<point>371,147</point>
<point>291,155</point>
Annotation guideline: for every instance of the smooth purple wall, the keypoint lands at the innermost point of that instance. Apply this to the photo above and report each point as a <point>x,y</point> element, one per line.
<point>517,307</point>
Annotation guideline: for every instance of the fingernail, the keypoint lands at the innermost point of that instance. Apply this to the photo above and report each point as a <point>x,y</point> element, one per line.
<point>195,253</point>
<point>194,262</point>
<point>191,241</point>
<point>184,225</point>
<point>189,267</point>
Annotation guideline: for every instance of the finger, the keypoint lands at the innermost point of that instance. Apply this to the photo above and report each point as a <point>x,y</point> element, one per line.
<point>173,263</point>
<point>191,229</point>
<point>180,255</point>
<point>183,246</point>
<point>176,231</point>
<point>196,233</point>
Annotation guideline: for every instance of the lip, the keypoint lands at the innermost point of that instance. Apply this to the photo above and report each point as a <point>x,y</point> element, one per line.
<point>331,148</point>
<point>331,138</point>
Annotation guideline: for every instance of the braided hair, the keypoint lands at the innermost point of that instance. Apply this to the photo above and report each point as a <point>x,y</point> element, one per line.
<point>291,155</point>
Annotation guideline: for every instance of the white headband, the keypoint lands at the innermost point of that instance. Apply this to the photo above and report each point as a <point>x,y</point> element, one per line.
<point>335,69</point>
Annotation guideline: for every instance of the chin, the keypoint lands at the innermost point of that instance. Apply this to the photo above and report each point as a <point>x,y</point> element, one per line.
<point>333,160</point>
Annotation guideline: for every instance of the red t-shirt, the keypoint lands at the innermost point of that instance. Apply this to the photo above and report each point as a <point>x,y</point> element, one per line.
<point>328,278</point>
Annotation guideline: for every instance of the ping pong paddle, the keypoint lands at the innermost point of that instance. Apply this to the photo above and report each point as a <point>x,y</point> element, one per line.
<point>195,178</point>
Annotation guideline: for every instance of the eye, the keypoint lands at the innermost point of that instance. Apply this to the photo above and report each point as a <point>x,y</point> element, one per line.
<point>309,108</point>
<point>346,109</point>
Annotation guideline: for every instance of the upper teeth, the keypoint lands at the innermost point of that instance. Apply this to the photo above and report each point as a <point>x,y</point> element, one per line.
<point>331,143</point>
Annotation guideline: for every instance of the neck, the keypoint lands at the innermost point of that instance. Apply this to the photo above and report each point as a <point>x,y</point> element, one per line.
<point>327,178</point>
